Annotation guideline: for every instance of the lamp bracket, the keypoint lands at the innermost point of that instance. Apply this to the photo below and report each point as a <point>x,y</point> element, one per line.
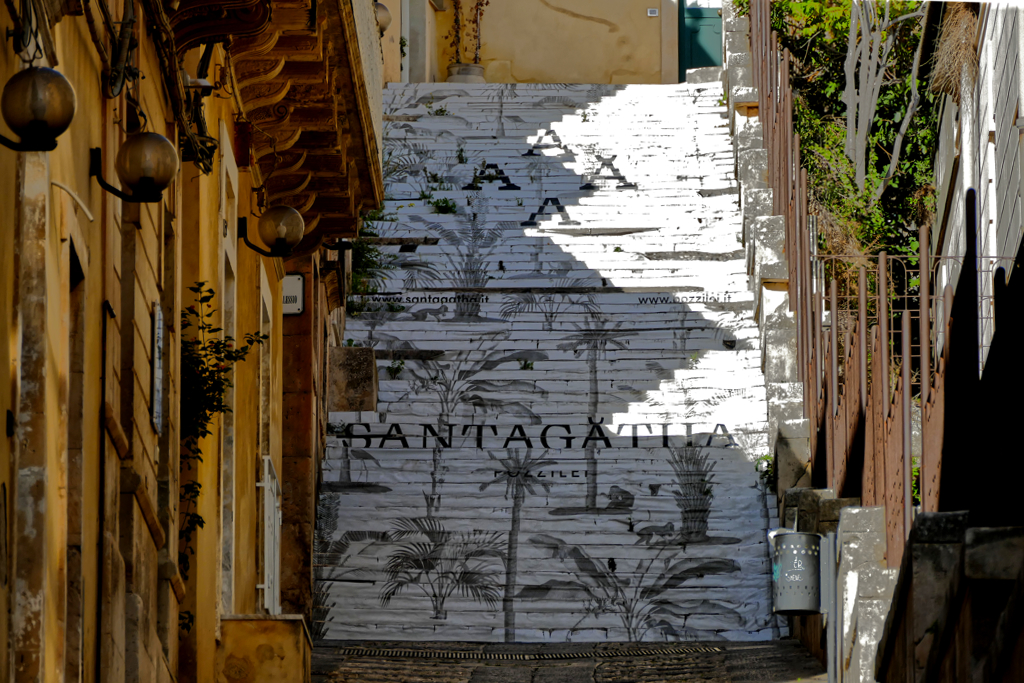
<point>96,169</point>
<point>46,146</point>
<point>243,234</point>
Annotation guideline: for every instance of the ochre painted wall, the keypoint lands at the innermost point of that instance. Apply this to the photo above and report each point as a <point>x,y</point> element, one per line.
<point>203,260</point>
<point>134,257</point>
<point>391,44</point>
<point>8,357</point>
<point>92,493</point>
<point>562,41</point>
<point>65,225</point>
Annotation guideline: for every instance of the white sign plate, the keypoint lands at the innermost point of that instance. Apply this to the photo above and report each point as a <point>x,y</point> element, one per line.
<point>293,298</point>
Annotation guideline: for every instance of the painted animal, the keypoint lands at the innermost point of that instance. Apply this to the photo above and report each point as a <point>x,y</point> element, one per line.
<point>649,534</point>
<point>421,314</point>
<point>620,499</point>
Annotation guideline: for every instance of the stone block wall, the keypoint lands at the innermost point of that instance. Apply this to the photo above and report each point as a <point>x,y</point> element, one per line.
<point>864,585</point>
<point>957,605</point>
<point>763,238</point>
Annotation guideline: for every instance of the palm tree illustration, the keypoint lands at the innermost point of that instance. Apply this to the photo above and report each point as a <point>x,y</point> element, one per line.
<point>455,383</point>
<point>518,473</point>
<point>693,493</point>
<point>418,273</point>
<point>508,91</point>
<point>473,240</point>
<point>594,337</point>
<point>439,563</point>
<point>334,556</point>
<point>550,304</point>
<point>374,319</point>
<point>641,599</point>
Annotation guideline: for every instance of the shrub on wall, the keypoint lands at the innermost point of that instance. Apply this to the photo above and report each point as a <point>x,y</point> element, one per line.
<point>206,360</point>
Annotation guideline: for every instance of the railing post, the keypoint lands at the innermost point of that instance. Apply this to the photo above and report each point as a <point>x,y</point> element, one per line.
<point>908,498</point>
<point>806,282</point>
<point>862,332</point>
<point>819,305</point>
<point>883,324</point>
<point>833,387</point>
<point>833,302</point>
<point>924,298</point>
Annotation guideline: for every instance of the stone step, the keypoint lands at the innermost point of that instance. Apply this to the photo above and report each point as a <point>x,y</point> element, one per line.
<point>632,223</point>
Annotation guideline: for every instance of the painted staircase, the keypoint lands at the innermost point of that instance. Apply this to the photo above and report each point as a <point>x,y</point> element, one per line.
<point>571,399</point>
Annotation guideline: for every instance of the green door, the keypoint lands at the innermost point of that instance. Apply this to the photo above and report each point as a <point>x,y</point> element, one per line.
<point>700,38</point>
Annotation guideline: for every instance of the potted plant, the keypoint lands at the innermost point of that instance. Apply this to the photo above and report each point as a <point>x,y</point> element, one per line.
<point>460,71</point>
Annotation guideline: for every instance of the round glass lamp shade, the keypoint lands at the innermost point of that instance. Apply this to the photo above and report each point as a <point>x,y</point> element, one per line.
<point>38,104</point>
<point>146,164</point>
<point>281,228</point>
<point>383,16</point>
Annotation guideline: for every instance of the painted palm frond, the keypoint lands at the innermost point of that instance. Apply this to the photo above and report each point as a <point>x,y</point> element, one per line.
<point>670,619</point>
<point>659,370</point>
<point>693,492</point>
<point>478,586</point>
<point>468,235</point>
<point>558,101</point>
<point>637,600</point>
<point>455,383</point>
<point>432,528</point>
<point>517,471</point>
<point>402,158</point>
<point>589,572</point>
<point>438,563</point>
<point>473,239</point>
<point>509,385</point>
<point>550,305</point>
<point>418,273</point>
<point>337,559</point>
<point>505,406</point>
<point>328,509</point>
<point>595,335</point>
<point>520,303</point>
<point>685,570</point>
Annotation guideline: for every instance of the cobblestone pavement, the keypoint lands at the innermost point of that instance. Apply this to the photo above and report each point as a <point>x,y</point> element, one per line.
<point>776,661</point>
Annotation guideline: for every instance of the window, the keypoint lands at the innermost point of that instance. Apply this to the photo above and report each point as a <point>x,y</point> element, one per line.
<point>271,503</point>
<point>228,217</point>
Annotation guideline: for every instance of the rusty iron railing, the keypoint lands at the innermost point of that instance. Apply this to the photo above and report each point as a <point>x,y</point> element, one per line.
<point>866,350</point>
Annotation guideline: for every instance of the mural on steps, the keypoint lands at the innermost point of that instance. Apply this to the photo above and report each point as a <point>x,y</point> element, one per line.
<point>566,451</point>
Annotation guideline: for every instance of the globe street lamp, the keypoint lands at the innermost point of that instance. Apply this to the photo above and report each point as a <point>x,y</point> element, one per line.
<point>38,104</point>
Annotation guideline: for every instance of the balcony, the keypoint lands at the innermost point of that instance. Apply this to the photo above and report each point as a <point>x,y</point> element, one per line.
<point>260,648</point>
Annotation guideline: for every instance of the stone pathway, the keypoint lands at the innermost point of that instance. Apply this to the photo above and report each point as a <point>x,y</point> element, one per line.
<point>571,400</point>
<point>780,661</point>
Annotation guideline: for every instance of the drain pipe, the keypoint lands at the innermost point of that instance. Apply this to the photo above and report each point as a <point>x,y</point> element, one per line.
<point>108,314</point>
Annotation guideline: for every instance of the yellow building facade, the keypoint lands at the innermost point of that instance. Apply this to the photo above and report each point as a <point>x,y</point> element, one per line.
<point>549,41</point>
<point>105,575</point>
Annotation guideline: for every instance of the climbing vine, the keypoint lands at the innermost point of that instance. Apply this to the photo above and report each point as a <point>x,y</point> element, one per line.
<point>206,359</point>
<point>467,30</point>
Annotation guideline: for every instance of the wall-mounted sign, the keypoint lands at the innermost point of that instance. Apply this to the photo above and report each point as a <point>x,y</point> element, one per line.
<point>652,11</point>
<point>292,291</point>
